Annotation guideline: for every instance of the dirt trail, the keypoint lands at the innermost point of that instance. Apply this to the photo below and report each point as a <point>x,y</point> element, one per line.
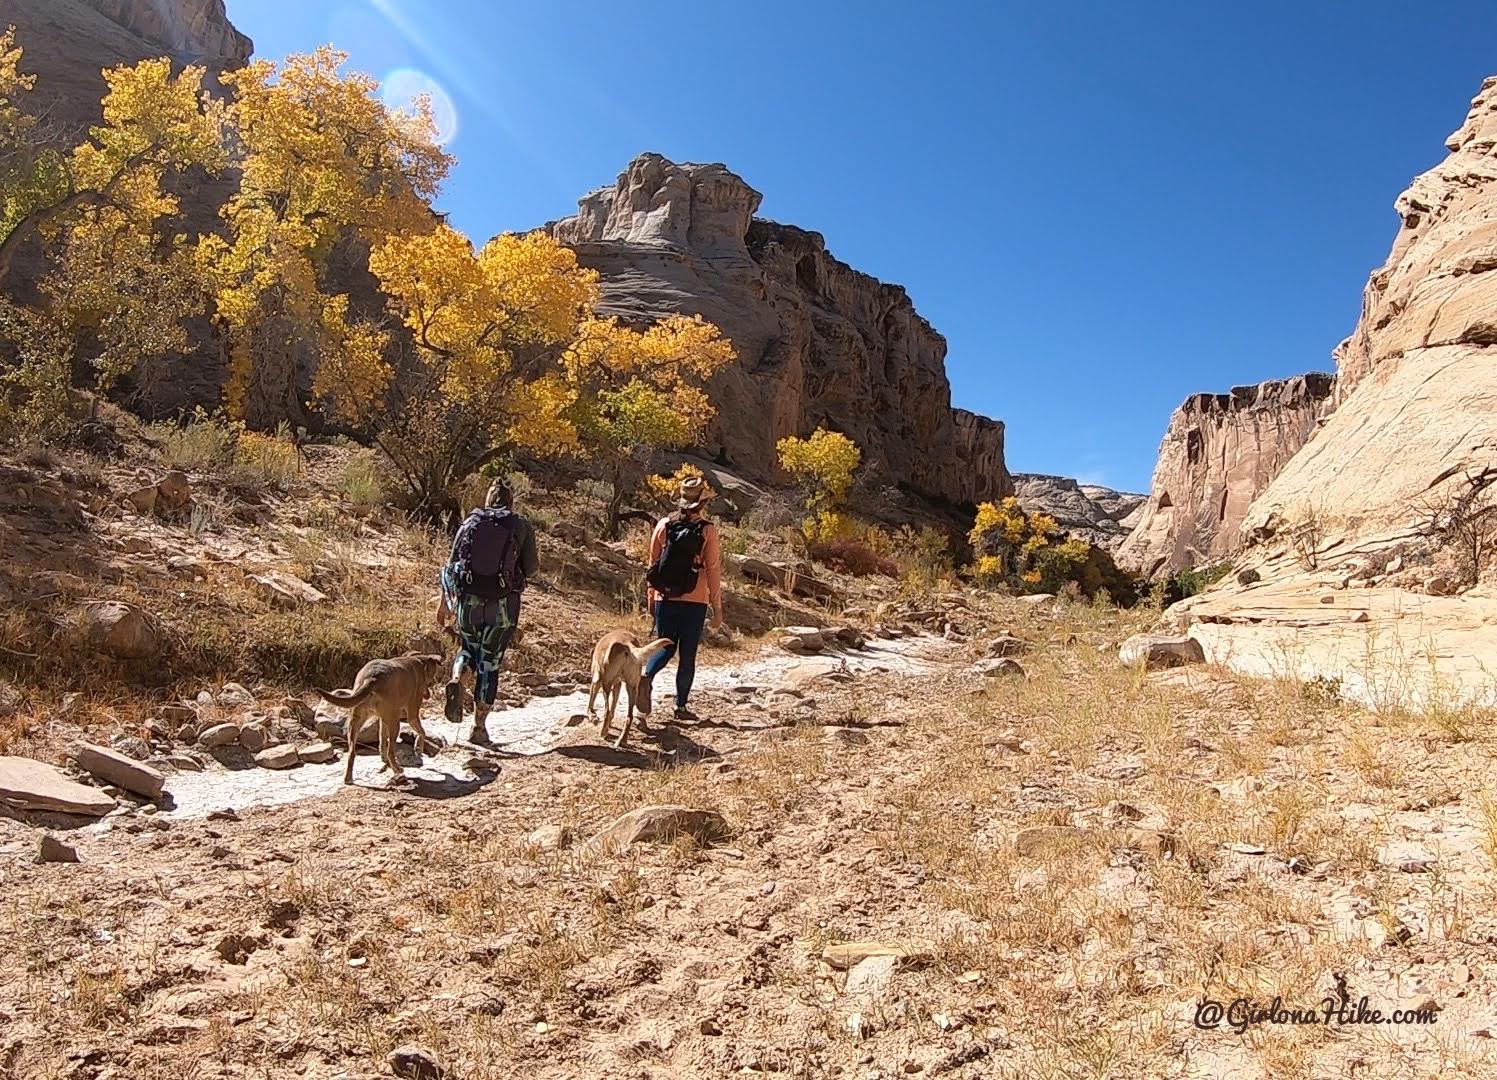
<point>535,728</point>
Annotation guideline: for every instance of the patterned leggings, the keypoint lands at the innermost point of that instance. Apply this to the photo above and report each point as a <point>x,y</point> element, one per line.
<point>481,626</point>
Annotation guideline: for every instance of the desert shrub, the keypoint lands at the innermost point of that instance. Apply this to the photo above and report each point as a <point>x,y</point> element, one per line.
<point>266,460</point>
<point>831,526</point>
<point>203,442</point>
<point>1462,524</point>
<point>1306,535</point>
<point>360,481</point>
<point>1192,580</point>
<point>849,555</point>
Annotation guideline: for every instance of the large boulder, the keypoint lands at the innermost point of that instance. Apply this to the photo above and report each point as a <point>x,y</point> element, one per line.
<point>122,630</point>
<point>649,823</point>
<point>1154,651</point>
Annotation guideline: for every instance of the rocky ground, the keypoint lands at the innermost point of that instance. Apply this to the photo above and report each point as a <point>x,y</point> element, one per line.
<point>958,839</point>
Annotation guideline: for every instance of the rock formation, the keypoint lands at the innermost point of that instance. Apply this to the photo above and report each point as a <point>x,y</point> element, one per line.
<point>818,342</point>
<point>1417,389</point>
<point>1100,516</point>
<point>67,43</point>
<point>1219,453</point>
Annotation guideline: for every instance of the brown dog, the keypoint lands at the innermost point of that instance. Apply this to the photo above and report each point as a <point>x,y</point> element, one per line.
<point>390,690</point>
<point>618,661</point>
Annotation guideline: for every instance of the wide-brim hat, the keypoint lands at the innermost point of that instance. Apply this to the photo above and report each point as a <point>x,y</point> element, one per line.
<point>693,493</point>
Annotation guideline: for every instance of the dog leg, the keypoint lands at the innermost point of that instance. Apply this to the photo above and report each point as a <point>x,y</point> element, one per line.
<point>592,694</point>
<point>389,737</point>
<point>351,733</point>
<point>628,720</point>
<point>422,738</point>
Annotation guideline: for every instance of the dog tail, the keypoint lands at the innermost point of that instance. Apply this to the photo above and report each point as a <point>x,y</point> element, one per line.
<point>653,649</point>
<point>347,699</point>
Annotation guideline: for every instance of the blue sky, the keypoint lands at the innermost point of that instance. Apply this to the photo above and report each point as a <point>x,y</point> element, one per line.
<point>1104,206</point>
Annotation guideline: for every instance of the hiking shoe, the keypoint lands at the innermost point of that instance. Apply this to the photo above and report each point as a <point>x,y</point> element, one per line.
<point>686,715</point>
<point>453,709</point>
<point>479,736</point>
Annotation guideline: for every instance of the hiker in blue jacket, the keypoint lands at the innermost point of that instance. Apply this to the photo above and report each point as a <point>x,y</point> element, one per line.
<point>493,555</point>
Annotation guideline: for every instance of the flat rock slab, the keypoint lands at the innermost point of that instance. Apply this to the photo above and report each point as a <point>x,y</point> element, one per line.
<point>27,784</point>
<point>849,954</point>
<point>115,768</point>
<point>1044,839</point>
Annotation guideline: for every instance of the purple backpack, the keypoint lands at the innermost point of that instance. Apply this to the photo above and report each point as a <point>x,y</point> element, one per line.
<point>486,554</point>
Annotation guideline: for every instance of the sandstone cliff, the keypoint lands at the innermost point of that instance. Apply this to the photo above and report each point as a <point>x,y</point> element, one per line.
<point>1100,516</point>
<point>1417,387</point>
<point>1219,453</point>
<point>818,342</point>
<point>68,43</point>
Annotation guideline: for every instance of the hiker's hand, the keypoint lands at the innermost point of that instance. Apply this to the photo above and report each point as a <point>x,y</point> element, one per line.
<point>717,618</point>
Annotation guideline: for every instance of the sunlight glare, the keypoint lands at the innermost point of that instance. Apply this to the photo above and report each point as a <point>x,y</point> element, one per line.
<point>400,89</point>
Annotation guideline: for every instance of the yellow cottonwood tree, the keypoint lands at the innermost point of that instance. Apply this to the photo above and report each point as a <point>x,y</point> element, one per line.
<point>637,392</point>
<point>325,169</point>
<point>120,283</point>
<point>481,380</point>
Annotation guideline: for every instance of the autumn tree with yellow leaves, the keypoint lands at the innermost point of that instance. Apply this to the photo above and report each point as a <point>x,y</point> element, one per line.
<point>121,281</point>
<point>637,392</point>
<point>463,357</point>
<point>482,377</point>
<point>326,172</point>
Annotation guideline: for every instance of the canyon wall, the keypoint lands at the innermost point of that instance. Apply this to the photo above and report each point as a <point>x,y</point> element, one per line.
<point>1417,379</point>
<point>818,342</point>
<point>1219,453</point>
<point>67,43</point>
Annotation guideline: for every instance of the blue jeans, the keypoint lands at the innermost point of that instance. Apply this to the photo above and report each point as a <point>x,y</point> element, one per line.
<point>682,621</point>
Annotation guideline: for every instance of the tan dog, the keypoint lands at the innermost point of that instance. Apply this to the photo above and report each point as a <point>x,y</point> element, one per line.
<point>390,690</point>
<point>618,661</point>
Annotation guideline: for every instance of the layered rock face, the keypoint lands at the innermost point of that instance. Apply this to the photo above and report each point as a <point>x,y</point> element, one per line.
<point>1100,516</point>
<point>1417,379</point>
<point>817,341</point>
<point>67,43</point>
<point>1219,453</point>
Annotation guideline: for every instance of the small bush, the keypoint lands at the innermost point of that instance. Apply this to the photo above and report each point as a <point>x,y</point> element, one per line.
<point>830,526</point>
<point>202,443</point>
<point>360,482</point>
<point>272,460</point>
<point>849,555</point>
<point>1194,580</point>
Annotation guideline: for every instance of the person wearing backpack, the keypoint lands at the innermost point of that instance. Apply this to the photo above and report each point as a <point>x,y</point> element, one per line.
<point>685,586</point>
<point>493,555</point>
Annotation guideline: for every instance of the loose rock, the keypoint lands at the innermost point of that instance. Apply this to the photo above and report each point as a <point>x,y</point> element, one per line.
<point>123,631</point>
<point>414,1063</point>
<point>27,784</point>
<point>278,757</point>
<point>1153,651</point>
<point>50,849</point>
<point>219,735</point>
<point>318,753</point>
<point>119,770</point>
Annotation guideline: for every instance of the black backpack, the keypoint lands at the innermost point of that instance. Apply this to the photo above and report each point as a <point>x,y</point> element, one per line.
<point>675,572</point>
<point>486,552</point>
